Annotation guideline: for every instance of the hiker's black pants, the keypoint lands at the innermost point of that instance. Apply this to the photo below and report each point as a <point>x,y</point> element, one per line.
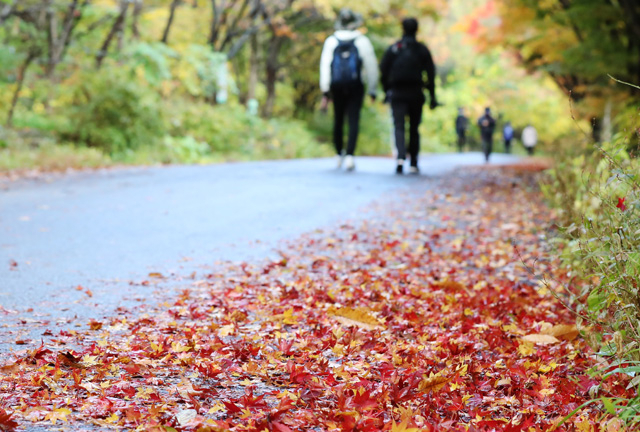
<point>487,146</point>
<point>347,102</point>
<point>507,145</point>
<point>462,140</point>
<point>401,109</point>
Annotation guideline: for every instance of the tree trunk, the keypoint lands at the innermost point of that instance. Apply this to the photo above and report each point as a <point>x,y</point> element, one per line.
<point>253,68</point>
<point>215,24</point>
<point>115,28</point>
<point>272,67</point>
<point>22,73</point>
<point>172,13</point>
<point>58,45</point>
<point>138,6</point>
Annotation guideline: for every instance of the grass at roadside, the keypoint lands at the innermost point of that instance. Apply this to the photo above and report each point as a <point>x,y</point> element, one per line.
<point>595,191</point>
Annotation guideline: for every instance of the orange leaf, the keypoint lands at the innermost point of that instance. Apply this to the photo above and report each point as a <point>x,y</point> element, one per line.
<point>566,332</point>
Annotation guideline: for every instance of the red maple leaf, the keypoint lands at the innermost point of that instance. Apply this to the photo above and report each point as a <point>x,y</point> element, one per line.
<point>621,205</point>
<point>7,424</point>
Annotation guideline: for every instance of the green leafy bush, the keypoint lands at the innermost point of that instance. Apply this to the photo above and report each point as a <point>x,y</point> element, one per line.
<point>233,134</point>
<point>596,191</point>
<point>114,113</point>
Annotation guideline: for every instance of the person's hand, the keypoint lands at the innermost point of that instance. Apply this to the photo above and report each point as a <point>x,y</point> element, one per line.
<point>373,98</point>
<point>324,104</point>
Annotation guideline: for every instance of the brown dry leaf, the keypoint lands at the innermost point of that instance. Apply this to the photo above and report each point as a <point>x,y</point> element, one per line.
<point>449,285</point>
<point>355,317</point>
<point>95,325</point>
<point>540,339</point>
<point>11,368</point>
<point>68,359</point>
<point>566,332</point>
<point>433,382</point>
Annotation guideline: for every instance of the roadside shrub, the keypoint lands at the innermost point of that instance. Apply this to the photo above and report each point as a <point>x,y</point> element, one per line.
<point>596,192</point>
<point>114,113</point>
<point>233,134</point>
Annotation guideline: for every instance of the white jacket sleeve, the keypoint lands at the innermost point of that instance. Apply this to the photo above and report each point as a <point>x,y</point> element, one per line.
<point>326,58</point>
<point>369,63</point>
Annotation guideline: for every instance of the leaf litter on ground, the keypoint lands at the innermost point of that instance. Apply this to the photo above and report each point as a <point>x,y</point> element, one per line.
<point>424,317</point>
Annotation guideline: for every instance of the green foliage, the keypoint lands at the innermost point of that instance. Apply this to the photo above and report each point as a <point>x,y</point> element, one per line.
<point>596,191</point>
<point>112,112</point>
<point>231,133</point>
<point>24,151</point>
<point>153,59</point>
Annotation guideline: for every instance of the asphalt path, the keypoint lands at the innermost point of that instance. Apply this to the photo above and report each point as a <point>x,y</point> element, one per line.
<point>81,245</point>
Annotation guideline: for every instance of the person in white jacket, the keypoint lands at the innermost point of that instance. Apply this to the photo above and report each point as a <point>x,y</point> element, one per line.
<point>529,138</point>
<point>347,62</point>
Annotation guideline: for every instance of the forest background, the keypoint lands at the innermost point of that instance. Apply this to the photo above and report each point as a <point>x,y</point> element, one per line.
<point>100,82</point>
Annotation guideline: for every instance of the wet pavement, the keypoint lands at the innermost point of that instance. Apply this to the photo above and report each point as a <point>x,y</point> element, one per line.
<point>82,245</point>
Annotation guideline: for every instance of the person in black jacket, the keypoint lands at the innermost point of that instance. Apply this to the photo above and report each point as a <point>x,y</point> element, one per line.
<point>403,69</point>
<point>487,126</point>
<point>462,124</point>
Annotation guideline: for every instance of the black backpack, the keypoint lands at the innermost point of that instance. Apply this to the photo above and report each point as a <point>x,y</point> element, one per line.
<point>346,64</point>
<point>406,68</point>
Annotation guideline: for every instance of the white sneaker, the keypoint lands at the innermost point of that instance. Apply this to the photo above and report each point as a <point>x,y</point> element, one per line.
<point>339,160</point>
<point>414,170</point>
<point>349,163</point>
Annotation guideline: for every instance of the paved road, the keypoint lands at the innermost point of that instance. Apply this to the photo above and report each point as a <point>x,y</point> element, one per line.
<point>102,230</point>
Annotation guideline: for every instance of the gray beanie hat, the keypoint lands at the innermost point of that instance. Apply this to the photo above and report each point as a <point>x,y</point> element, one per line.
<point>348,20</point>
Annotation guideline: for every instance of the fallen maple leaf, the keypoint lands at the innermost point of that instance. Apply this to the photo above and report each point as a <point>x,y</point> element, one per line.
<point>355,317</point>
<point>540,339</point>
<point>403,427</point>
<point>184,417</point>
<point>566,332</point>
<point>7,424</point>
<point>433,382</point>
<point>58,414</point>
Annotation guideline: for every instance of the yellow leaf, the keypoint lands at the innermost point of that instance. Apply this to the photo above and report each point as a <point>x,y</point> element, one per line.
<point>217,407</point>
<point>58,414</point>
<point>176,347</point>
<point>88,361</point>
<point>468,312</point>
<point>355,317</point>
<point>288,318</point>
<point>403,427</point>
<point>433,382</point>
<point>526,348</point>
<point>112,418</point>
<point>583,424</point>
<point>462,370</point>
<point>226,330</point>
<point>540,339</point>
